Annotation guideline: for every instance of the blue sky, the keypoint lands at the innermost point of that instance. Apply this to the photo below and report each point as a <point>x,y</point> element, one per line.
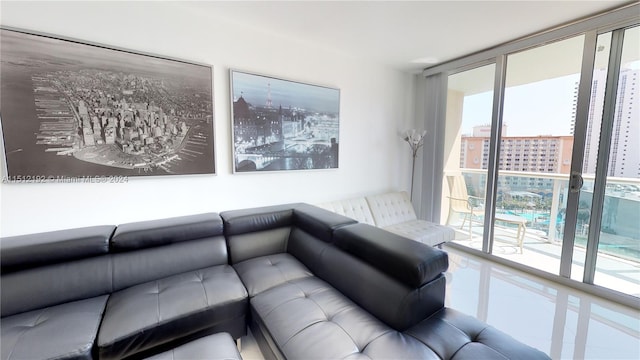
<point>539,108</point>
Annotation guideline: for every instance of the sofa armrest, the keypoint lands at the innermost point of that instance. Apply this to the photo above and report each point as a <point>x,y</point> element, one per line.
<point>408,261</point>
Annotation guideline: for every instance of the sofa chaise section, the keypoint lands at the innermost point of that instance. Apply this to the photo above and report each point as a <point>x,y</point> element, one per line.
<point>312,299</point>
<point>54,288</point>
<point>323,287</point>
<point>172,284</point>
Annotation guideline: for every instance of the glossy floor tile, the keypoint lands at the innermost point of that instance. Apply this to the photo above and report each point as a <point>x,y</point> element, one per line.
<point>249,349</point>
<point>561,321</point>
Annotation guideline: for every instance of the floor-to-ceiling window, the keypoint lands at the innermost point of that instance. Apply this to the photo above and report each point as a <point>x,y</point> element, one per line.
<point>469,103</point>
<point>542,154</point>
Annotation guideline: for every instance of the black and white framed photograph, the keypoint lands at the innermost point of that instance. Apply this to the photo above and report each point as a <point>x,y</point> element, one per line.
<point>71,109</point>
<point>283,125</point>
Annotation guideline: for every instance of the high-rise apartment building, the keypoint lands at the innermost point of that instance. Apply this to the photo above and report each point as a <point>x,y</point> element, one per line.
<point>624,157</point>
<point>549,154</point>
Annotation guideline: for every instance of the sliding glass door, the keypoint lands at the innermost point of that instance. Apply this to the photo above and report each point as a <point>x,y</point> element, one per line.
<point>542,158</point>
<point>539,113</point>
<point>607,240</point>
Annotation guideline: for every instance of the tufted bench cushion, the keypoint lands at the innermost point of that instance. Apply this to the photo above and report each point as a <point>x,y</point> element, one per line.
<point>218,346</point>
<point>157,312</point>
<point>357,209</point>
<point>66,331</point>
<point>391,208</point>
<point>393,212</point>
<point>423,231</point>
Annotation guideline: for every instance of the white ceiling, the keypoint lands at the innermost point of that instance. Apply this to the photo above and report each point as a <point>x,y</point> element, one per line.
<point>396,33</point>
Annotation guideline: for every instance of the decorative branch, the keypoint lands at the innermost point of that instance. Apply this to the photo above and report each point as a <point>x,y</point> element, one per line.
<point>415,139</point>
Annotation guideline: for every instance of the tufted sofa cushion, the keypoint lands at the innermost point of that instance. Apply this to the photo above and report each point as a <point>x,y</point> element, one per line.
<point>453,335</point>
<point>265,272</point>
<point>308,316</point>
<point>157,312</point>
<point>64,331</point>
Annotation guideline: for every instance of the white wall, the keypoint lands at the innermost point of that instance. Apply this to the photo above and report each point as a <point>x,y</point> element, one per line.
<point>377,104</point>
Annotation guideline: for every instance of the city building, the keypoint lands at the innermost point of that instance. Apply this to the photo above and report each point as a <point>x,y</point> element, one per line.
<point>625,152</point>
<point>518,153</point>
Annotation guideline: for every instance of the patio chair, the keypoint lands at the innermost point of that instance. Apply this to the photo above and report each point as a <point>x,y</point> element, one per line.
<point>461,202</point>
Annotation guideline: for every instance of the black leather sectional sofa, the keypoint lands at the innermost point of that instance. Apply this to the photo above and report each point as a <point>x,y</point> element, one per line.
<point>309,283</point>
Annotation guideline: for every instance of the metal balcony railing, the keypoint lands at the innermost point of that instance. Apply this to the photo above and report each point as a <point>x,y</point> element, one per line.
<point>540,198</point>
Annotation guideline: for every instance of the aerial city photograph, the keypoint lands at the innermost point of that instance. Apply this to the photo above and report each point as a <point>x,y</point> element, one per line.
<point>70,109</point>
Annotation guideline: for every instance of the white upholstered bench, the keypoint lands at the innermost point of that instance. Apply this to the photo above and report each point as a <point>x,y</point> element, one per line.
<point>392,212</point>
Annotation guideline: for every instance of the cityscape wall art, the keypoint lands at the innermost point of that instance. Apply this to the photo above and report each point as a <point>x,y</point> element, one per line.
<point>74,109</point>
<point>283,125</point>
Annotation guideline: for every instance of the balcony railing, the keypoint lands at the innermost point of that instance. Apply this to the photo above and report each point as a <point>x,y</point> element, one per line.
<point>540,198</point>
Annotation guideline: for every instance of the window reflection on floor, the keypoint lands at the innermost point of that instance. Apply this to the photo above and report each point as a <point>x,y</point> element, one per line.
<point>563,322</point>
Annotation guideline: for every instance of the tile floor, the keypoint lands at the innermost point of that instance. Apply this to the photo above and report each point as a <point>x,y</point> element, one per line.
<point>563,322</point>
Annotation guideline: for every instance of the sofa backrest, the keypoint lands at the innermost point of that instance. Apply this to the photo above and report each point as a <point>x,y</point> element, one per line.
<point>267,230</point>
<point>150,250</point>
<point>357,209</point>
<point>257,231</point>
<point>46,269</point>
<point>391,208</point>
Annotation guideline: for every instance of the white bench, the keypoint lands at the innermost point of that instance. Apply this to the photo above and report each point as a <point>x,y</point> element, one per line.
<point>392,212</point>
